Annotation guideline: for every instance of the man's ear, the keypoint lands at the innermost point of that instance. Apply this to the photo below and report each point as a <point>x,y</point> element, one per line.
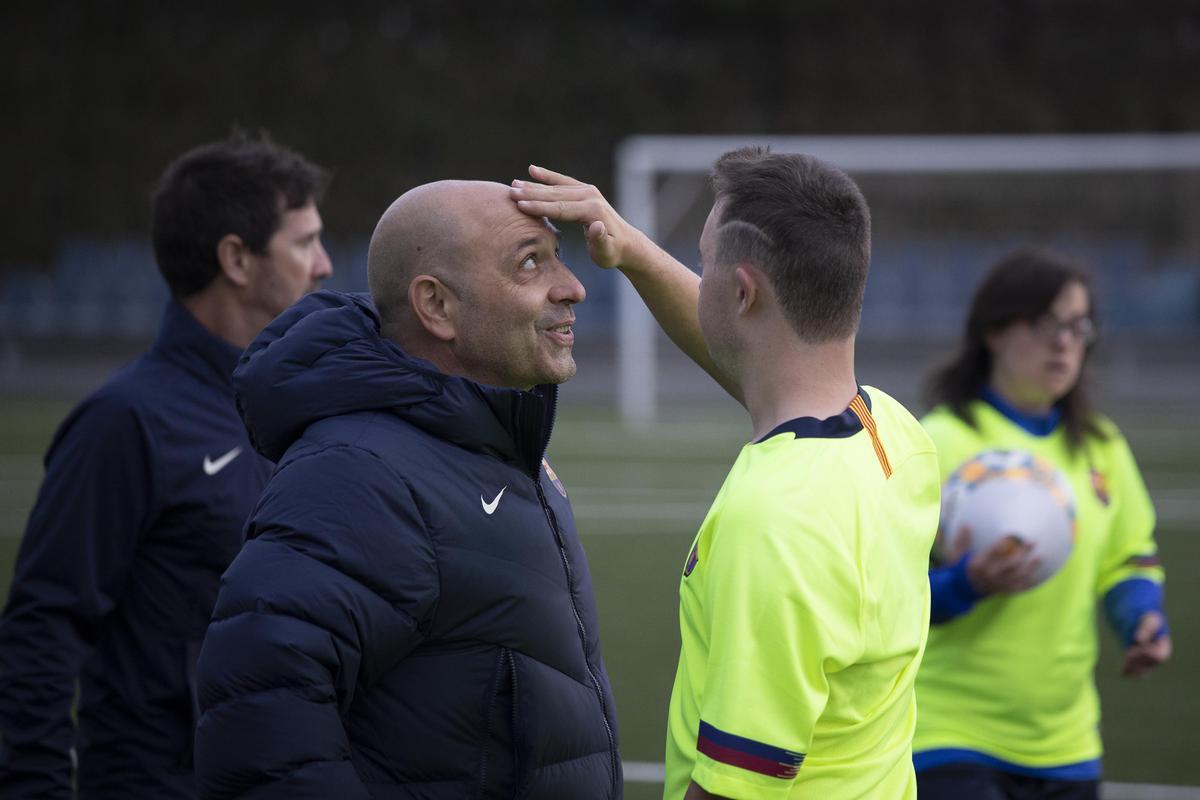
<point>749,282</point>
<point>435,305</point>
<point>234,259</point>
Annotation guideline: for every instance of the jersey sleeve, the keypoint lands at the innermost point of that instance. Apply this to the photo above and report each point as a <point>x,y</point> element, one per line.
<point>1131,552</point>
<point>95,503</point>
<point>335,587</point>
<point>950,592</point>
<point>783,609</point>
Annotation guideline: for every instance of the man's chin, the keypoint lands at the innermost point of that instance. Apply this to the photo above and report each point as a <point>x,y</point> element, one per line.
<point>560,373</point>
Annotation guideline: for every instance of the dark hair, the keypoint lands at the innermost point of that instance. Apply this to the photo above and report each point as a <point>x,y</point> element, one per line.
<point>806,224</point>
<point>1021,286</point>
<point>240,186</point>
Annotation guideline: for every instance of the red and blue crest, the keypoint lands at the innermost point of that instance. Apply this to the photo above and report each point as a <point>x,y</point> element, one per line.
<point>553,478</point>
<point>1100,486</point>
<point>693,559</point>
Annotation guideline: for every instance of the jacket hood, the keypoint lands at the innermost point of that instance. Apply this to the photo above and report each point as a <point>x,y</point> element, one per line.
<point>325,357</point>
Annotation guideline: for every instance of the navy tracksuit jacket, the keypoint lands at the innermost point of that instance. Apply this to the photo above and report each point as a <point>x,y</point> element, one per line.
<point>148,484</point>
<point>412,615</point>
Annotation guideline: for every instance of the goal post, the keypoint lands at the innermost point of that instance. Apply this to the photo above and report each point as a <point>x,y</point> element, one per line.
<point>643,161</point>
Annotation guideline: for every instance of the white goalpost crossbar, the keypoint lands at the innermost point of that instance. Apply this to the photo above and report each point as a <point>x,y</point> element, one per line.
<point>641,159</point>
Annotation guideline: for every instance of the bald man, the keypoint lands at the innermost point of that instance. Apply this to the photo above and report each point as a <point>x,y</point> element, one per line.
<point>412,615</point>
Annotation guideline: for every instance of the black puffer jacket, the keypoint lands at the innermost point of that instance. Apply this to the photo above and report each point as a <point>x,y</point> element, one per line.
<point>412,614</point>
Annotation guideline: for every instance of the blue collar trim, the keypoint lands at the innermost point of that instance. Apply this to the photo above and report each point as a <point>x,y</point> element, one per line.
<point>1036,424</point>
<point>840,426</point>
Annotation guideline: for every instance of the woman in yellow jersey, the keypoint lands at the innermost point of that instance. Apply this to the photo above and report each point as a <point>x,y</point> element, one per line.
<point>1007,706</point>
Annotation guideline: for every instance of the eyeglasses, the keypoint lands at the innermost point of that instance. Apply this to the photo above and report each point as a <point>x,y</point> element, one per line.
<point>1081,329</point>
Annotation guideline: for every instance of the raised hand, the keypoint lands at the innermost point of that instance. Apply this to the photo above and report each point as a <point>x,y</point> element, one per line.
<point>612,242</point>
<point>671,290</point>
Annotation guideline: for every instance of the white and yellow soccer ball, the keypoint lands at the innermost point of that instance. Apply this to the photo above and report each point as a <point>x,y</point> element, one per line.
<point>1003,493</point>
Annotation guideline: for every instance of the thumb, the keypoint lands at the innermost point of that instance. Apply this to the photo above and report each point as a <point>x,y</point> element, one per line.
<point>596,232</point>
<point>964,537</point>
<point>960,544</point>
<point>601,245</point>
<point>1148,627</point>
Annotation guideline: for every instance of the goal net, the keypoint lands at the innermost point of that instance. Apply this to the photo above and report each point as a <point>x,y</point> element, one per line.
<point>943,208</point>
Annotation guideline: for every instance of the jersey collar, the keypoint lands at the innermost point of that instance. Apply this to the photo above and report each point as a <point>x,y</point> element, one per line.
<point>1035,424</point>
<point>841,426</point>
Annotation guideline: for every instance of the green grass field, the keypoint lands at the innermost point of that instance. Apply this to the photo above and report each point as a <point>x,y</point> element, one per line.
<point>639,498</point>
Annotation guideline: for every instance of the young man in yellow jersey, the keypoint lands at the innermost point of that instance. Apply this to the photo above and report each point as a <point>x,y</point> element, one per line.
<point>804,601</point>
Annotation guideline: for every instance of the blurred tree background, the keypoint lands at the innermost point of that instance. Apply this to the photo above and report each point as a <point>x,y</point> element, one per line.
<point>101,95</point>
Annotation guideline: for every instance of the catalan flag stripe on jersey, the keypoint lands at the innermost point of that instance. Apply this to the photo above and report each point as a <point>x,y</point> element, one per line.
<point>859,407</point>
<point>746,753</point>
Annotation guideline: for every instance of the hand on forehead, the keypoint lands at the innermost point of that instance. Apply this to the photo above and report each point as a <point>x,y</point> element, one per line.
<point>448,229</point>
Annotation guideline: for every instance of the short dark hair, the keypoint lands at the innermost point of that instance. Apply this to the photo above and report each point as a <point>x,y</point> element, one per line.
<point>806,224</point>
<point>1020,287</point>
<point>240,186</point>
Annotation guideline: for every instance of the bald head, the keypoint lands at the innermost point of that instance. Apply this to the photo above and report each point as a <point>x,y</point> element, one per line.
<point>465,280</point>
<point>429,230</point>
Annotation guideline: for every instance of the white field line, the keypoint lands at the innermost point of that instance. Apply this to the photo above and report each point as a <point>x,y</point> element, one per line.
<point>646,504</point>
<point>1147,791</point>
<point>651,772</point>
<point>643,772</point>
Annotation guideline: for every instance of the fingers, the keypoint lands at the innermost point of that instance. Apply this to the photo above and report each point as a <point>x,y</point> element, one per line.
<point>1160,649</point>
<point>561,210</point>
<point>575,202</point>
<point>611,241</point>
<point>531,190</point>
<point>1143,657</point>
<point>1007,553</point>
<point>1007,566</point>
<point>1134,665</point>
<point>963,539</point>
<point>1017,571</point>
<point>551,177</point>
<point>1149,627</point>
<point>1024,575</point>
<point>1010,546</point>
<point>1138,662</point>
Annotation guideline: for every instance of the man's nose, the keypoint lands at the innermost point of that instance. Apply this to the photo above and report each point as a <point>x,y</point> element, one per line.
<point>567,288</point>
<point>324,266</point>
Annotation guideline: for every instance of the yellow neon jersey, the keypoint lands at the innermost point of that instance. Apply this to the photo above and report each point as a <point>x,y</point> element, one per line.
<point>1011,679</point>
<point>803,612</point>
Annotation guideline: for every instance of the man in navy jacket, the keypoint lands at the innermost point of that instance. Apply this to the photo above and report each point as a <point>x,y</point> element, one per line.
<point>412,614</point>
<point>148,484</point>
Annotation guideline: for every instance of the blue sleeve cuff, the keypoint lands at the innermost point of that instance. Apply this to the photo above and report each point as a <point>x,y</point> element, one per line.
<point>1128,602</point>
<point>951,594</point>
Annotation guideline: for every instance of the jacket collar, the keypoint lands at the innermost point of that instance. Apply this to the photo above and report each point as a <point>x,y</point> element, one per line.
<point>325,357</point>
<point>184,341</point>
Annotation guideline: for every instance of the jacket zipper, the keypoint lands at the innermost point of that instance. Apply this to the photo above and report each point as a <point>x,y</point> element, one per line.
<point>562,551</point>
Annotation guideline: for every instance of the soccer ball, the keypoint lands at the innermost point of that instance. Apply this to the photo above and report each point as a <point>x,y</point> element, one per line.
<point>1002,493</point>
